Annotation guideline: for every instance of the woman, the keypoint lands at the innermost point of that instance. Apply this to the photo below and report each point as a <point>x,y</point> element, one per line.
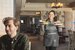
<point>51,38</point>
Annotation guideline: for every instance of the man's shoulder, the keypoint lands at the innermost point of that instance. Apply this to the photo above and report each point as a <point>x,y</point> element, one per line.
<point>24,36</point>
<point>4,36</point>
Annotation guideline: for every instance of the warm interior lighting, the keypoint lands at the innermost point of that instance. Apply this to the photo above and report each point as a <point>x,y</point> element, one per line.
<point>53,4</point>
<point>59,4</point>
<point>37,12</point>
<point>56,5</point>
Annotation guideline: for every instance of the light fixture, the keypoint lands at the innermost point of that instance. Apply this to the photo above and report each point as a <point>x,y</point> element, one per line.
<point>56,4</point>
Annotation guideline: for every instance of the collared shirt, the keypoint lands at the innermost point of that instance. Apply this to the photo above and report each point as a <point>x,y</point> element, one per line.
<point>20,42</point>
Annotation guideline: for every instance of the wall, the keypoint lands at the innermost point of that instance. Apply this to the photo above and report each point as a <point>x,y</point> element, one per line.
<point>43,8</point>
<point>17,5</point>
<point>70,20</point>
<point>73,20</point>
<point>39,7</point>
<point>6,10</point>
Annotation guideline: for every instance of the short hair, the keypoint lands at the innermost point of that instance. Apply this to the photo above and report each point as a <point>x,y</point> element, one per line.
<point>16,21</point>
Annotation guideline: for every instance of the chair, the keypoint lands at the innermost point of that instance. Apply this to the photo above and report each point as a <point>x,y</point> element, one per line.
<point>71,40</point>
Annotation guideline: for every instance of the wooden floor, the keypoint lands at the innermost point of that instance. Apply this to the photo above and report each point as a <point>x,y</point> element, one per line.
<point>36,44</point>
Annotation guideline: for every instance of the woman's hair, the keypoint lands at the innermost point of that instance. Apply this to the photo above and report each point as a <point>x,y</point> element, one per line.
<point>55,18</point>
<point>51,11</point>
<point>16,21</point>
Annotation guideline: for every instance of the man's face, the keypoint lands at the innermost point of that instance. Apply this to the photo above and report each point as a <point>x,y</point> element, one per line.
<point>10,28</point>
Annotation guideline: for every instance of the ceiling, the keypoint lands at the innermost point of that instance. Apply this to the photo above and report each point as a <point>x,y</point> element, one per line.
<point>49,1</point>
<point>69,3</point>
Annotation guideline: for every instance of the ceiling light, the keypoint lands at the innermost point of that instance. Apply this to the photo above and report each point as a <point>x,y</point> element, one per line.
<point>56,5</point>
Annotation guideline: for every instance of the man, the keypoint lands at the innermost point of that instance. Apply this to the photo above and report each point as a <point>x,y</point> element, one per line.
<point>13,40</point>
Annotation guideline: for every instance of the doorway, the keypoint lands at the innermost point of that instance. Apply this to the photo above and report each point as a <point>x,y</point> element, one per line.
<point>30,24</point>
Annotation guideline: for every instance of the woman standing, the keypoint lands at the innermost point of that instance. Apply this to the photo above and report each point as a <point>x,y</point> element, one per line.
<point>51,38</point>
